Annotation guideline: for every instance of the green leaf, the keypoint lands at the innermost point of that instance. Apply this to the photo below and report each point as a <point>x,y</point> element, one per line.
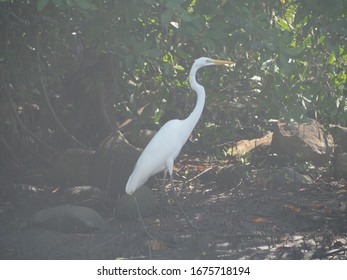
<point>150,2</point>
<point>187,17</point>
<point>191,30</point>
<point>307,41</point>
<point>41,4</point>
<point>293,51</point>
<point>269,45</point>
<point>285,65</point>
<point>182,54</point>
<point>331,58</point>
<point>340,27</point>
<point>153,53</point>
<point>341,78</point>
<point>179,68</point>
<point>284,24</point>
<point>210,44</point>
<point>321,39</point>
<point>166,18</point>
<point>217,35</point>
<point>86,4</point>
<point>130,62</point>
<point>58,3</point>
<point>257,45</point>
<point>174,4</point>
<point>157,115</point>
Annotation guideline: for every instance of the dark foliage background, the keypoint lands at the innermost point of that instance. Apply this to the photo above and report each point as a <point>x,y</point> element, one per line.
<point>72,71</point>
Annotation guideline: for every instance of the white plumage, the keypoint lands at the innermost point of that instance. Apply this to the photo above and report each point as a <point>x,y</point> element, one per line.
<point>161,152</point>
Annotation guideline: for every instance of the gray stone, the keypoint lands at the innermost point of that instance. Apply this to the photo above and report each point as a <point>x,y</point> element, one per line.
<point>68,219</point>
<point>341,165</point>
<point>339,134</point>
<point>289,177</point>
<point>303,142</point>
<point>113,163</point>
<point>146,202</point>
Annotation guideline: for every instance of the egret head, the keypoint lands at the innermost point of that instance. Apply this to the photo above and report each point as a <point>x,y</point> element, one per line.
<point>205,61</point>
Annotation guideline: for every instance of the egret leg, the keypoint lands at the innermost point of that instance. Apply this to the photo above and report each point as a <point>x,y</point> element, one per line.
<point>175,198</point>
<point>162,197</point>
<point>142,222</point>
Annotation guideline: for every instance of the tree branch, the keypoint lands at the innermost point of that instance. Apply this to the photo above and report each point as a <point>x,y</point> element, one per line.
<point>55,117</point>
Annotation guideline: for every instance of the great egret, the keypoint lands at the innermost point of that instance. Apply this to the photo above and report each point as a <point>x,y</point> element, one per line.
<point>161,152</point>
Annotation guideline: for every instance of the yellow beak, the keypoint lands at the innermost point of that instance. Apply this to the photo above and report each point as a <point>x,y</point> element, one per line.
<point>222,62</point>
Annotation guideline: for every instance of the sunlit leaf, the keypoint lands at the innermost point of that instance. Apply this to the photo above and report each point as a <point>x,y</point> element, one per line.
<point>341,78</point>
<point>174,24</point>
<point>331,58</point>
<point>157,115</point>
<point>179,67</point>
<point>284,24</point>
<point>307,41</point>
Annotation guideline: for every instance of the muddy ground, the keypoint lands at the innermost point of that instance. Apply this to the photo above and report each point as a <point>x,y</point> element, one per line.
<point>253,218</point>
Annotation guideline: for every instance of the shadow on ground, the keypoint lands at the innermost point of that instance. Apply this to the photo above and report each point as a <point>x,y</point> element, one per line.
<point>258,220</point>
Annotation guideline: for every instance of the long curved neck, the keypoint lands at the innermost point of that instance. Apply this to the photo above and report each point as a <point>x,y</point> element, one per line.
<point>193,118</point>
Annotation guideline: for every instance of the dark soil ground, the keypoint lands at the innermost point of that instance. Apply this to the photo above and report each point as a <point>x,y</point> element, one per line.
<point>253,218</point>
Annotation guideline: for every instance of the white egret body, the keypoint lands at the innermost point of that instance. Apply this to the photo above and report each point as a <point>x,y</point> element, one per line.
<point>161,152</point>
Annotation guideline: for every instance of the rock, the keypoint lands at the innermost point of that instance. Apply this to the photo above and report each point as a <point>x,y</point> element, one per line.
<point>113,163</point>
<point>69,219</point>
<point>289,177</point>
<point>341,165</point>
<point>339,134</point>
<point>259,150</point>
<point>72,167</point>
<point>146,201</point>
<point>315,254</point>
<point>302,142</point>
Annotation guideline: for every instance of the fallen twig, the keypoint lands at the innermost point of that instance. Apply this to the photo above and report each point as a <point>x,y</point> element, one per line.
<point>335,251</point>
<point>200,174</point>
